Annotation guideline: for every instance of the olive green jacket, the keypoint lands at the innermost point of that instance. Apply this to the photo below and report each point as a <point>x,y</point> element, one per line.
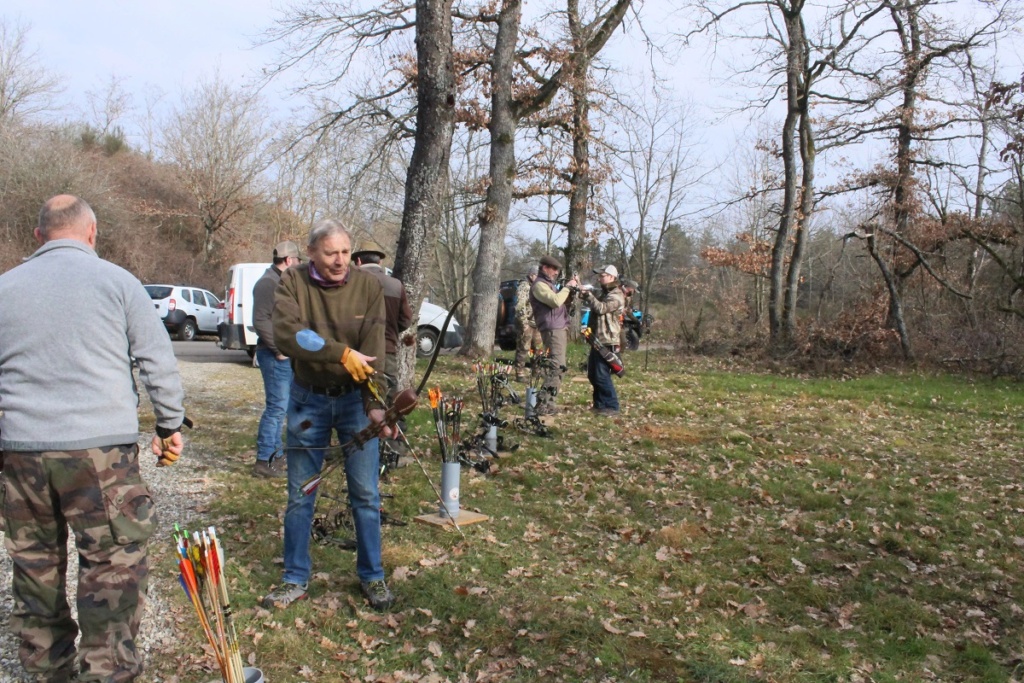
<point>350,315</point>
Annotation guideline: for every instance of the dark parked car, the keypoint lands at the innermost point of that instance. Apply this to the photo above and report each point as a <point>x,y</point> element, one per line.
<point>505,330</point>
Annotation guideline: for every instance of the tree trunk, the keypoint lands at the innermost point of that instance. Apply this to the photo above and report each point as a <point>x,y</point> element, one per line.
<point>803,218</point>
<point>427,179</point>
<point>483,311</point>
<point>579,192</point>
<point>780,336</point>
<point>905,16</point>
<point>895,301</point>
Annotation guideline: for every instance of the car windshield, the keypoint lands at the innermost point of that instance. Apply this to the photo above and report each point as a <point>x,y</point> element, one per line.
<point>157,292</point>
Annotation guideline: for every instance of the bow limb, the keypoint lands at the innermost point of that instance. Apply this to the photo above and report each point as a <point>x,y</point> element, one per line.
<point>437,347</point>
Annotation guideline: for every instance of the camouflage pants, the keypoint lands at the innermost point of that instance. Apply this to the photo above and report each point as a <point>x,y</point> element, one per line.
<point>527,337</point>
<point>100,494</point>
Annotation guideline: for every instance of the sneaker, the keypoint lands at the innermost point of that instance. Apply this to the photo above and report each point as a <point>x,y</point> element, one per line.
<point>262,468</point>
<point>284,595</point>
<point>378,594</point>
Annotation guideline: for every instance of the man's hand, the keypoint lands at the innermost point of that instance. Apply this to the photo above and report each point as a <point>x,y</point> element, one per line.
<point>376,416</point>
<point>357,364</point>
<point>167,450</point>
<point>573,282</point>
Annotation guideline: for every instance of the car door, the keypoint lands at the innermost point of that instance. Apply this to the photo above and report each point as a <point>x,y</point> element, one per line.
<point>206,314</point>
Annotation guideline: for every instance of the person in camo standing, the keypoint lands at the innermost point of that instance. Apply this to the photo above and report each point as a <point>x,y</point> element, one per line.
<point>275,367</point>
<point>329,319</point>
<point>605,322</point>
<point>69,432</point>
<point>528,337</point>
<point>552,318</point>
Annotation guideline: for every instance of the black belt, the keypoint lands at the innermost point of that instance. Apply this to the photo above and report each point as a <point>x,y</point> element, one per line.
<point>332,392</point>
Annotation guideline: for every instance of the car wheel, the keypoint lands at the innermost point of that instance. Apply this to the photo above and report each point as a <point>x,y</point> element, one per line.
<point>426,340</point>
<point>187,331</point>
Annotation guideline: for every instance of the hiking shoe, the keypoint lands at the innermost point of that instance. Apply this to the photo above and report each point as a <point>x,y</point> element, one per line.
<point>262,468</point>
<point>378,594</point>
<point>284,595</point>
<point>607,411</point>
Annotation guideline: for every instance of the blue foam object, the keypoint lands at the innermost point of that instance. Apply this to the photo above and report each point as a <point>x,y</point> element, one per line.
<point>310,340</point>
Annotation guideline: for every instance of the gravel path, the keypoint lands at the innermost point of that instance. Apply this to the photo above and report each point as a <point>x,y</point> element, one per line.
<point>179,494</point>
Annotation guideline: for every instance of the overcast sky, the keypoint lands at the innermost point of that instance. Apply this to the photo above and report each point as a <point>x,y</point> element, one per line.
<point>146,43</point>
<point>171,44</point>
<point>164,44</point>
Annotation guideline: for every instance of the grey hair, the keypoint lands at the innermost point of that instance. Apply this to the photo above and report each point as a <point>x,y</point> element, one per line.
<point>58,216</point>
<point>327,227</point>
<point>534,270</point>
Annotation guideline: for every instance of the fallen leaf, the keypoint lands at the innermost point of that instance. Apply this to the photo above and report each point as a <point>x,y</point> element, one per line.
<point>611,629</point>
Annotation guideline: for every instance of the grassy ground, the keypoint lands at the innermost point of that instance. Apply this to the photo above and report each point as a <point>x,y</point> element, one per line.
<point>729,526</point>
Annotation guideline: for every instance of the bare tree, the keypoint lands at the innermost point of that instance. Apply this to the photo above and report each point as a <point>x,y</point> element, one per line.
<point>109,106</point>
<point>344,173</point>
<point>928,44</point>
<point>427,181</point>
<point>508,106</point>
<point>657,170</point>
<point>219,139</point>
<point>26,88</point>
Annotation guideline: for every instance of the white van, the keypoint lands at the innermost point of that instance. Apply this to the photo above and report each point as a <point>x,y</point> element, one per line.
<point>236,331</point>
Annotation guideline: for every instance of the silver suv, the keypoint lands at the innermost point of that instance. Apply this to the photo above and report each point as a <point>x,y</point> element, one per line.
<point>186,311</point>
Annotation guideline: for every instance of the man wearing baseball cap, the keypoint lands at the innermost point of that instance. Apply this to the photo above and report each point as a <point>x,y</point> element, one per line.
<point>605,315</point>
<point>552,318</point>
<point>275,367</point>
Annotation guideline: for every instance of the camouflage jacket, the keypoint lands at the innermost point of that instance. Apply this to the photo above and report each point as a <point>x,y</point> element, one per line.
<point>524,311</point>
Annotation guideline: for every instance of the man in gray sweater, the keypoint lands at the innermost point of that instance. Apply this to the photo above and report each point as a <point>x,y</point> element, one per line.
<point>70,324</point>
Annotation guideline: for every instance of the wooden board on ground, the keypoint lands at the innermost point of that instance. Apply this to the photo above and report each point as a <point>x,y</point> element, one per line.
<point>465,518</point>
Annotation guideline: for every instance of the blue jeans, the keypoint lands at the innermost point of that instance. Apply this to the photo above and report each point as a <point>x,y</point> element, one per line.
<point>277,377</point>
<point>311,420</point>
<point>600,376</point>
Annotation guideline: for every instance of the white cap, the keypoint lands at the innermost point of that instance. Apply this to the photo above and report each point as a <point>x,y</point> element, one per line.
<point>608,270</point>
